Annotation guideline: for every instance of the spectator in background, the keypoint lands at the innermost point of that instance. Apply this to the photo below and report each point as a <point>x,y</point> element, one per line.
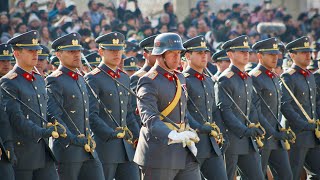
<point>20,29</point>
<point>7,34</point>
<point>94,14</point>
<point>181,30</point>
<point>192,16</point>
<point>219,21</point>
<point>130,21</point>
<point>192,32</point>
<point>168,9</point>
<point>110,17</point>
<point>45,37</point>
<point>202,27</point>
<point>235,13</point>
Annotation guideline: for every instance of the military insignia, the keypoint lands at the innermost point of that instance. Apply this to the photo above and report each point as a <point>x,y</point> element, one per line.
<point>56,73</point>
<point>245,43</point>
<point>229,74</point>
<point>5,52</point>
<point>115,41</point>
<point>291,71</point>
<point>72,112</point>
<point>34,41</point>
<point>40,51</point>
<point>140,74</point>
<point>132,64</point>
<point>256,73</point>
<point>98,59</point>
<point>157,44</point>
<point>153,75</point>
<point>12,75</point>
<point>186,74</point>
<point>203,44</point>
<point>75,42</point>
<point>95,71</point>
<point>306,44</point>
<point>275,46</point>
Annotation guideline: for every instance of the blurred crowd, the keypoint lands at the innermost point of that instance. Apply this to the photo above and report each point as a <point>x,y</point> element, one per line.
<point>55,18</point>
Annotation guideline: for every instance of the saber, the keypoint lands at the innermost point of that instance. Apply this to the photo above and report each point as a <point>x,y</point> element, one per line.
<point>311,121</point>
<point>251,125</point>
<point>288,131</point>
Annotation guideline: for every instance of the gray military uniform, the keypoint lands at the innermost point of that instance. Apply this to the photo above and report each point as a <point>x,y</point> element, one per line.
<point>306,149</point>
<point>68,89</point>
<point>201,92</point>
<point>116,155</point>
<point>157,159</point>
<point>243,151</point>
<point>267,85</point>
<point>35,159</point>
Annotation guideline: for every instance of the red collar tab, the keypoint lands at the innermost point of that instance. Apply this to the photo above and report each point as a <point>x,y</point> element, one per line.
<point>28,76</point>
<point>74,75</point>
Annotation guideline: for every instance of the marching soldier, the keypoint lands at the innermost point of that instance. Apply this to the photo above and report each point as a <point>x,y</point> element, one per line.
<point>68,103</point>
<point>162,104</point>
<point>130,65</point>
<point>147,46</point>
<point>5,57</point>
<point>202,109</point>
<point>266,83</point>
<point>7,156</point>
<point>300,108</point>
<point>222,62</point>
<point>94,59</point>
<point>113,115</point>
<point>25,102</point>
<point>234,98</point>
<point>43,56</point>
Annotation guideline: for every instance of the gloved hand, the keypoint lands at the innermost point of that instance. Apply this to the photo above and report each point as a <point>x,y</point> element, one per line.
<point>78,141</point>
<point>252,132</point>
<point>193,148</point>
<point>48,131</point>
<point>281,136</point>
<point>310,127</point>
<point>115,134</point>
<point>175,137</point>
<point>191,135</point>
<point>205,129</point>
<point>12,156</point>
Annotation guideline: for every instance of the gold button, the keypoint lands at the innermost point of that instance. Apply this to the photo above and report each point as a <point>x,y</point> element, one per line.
<point>18,143</point>
<point>36,87</point>
<point>86,110</point>
<point>38,95</point>
<point>40,105</point>
<point>73,96</point>
<point>122,110</point>
<point>120,93</point>
<point>110,94</point>
<point>87,129</point>
<point>121,102</point>
<point>270,94</point>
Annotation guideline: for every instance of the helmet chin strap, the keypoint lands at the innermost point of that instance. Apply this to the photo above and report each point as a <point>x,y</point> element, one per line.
<point>165,63</point>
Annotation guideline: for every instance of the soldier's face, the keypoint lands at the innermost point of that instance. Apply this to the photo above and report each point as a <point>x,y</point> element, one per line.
<point>70,59</point>
<point>301,59</point>
<point>240,58</point>
<point>41,65</point>
<point>111,58</point>
<point>198,59</point>
<point>5,67</point>
<point>268,60</point>
<point>26,58</point>
<point>172,59</point>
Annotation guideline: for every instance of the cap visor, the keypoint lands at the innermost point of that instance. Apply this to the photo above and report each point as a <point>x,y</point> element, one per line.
<point>116,48</point>
<point>271,52</point>
<point>242,49</point>
<point>304,50</point>
<point>72,48</point>
<point>199,49</point>
<point>6,58</point>
<point>31,47</point>
<point>41,57</point>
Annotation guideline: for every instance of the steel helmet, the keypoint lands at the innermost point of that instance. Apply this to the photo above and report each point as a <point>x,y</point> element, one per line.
<point>167,42</point>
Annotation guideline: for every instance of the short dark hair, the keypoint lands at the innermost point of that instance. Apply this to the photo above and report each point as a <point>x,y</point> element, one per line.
<point>166,5</point>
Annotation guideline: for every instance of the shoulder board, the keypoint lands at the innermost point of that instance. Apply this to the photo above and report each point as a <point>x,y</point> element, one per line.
<point>186,74</point>
<point>12,75</point>
<point>153,75</point>
<point>206,74</point>
<point>176,71</point>
<point>140,74</point>
<point>255,73</point>
<point>229,74</point>
<point>291,71</point>
<point>56,73</point>
<point>95,71</point>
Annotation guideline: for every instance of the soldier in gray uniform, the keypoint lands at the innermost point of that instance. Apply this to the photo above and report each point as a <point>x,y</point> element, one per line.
<point>243,151</point>
<point>7,156</point>
<point>160,152</point>
<point>130,65</point>
<point>68,103</point>
<point>201,93</point>
<point>116,153</point>
<point>147,46</point>
<point>222,61</point>
<point>302,84</point>
<point>30,135</point>
<point>267,84</point>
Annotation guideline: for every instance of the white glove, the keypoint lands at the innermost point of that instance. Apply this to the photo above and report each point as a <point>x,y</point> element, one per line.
<point>175,137</point>
<point>193,148</point>
<point>191,135</point>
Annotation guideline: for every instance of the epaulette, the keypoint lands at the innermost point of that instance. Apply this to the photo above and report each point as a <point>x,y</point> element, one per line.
<point>291,71</point>
<point>12,75</point>
<point>186,74</point>
<point>153,75</point>
<point>56,73</point>
<point>229,74</point>
<point>95,71</point>
<point>140,74</point>
<point>255,73</point>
